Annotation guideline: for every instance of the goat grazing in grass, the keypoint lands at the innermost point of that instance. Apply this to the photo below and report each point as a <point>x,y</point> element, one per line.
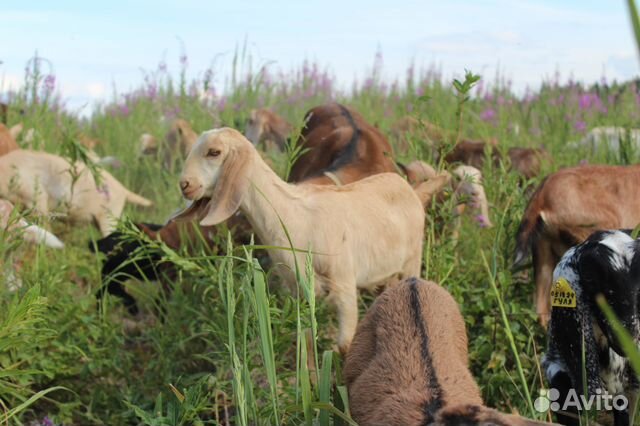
<point>409,364</point>
<point>224,173</point>
<point>45,182</point>
<point>607,264</point>
<point>567,207</point>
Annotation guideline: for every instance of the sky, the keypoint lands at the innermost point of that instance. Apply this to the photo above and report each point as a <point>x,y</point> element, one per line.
<point>94,46</point>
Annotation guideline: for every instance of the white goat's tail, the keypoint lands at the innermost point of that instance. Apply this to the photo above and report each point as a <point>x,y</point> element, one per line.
<point>35,234</point>
<point>134,198</point>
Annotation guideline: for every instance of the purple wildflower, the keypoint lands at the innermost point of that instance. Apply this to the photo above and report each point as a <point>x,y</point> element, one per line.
<point>49,83</point>
<point>585,101</point>
<point>482,221</point>
<point>580,126</point>
<point>368,84</point>
<point>46,421</point>
<point>488,114</point>
<point>184,60</point>
<point>222,102</point>
<point>152,91</point>
<point>583,162</point>
<point>124,110</point>
<point>162,67</point>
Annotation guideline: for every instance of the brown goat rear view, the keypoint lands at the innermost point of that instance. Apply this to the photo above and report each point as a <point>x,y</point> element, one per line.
<point>408,363</point>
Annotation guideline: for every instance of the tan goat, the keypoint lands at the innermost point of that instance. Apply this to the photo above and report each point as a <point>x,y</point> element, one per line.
<point>224,173</point>
<point>408,364</point>
<point>45,182</point>
<point>567,207</point>
<point>266,127</point>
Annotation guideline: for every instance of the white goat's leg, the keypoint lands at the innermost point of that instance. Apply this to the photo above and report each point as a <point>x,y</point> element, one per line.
<point>346,301</point>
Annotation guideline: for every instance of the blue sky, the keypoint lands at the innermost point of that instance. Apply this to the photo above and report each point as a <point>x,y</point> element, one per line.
<point>95,45</point>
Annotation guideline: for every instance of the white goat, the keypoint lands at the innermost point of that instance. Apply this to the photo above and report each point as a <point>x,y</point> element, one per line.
<point>362,234</point>
<point>609,137</point>
<point>45,181</point>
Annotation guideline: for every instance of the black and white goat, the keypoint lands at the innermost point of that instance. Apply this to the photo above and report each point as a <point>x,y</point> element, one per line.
<point>607,263</point>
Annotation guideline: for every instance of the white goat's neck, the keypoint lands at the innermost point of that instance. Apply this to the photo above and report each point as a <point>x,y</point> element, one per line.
<point>269,200</point>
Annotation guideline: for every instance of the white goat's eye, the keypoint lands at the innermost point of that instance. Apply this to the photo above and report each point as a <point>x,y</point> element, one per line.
<point>213,153</point>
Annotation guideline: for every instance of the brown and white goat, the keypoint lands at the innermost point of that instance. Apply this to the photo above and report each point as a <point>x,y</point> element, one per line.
<point>567,207</point>
<point>408,364</point>
<point>224,173</point>
<point>266,127</point>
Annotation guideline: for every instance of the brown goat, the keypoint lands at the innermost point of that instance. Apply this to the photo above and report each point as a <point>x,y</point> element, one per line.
<point>567,207</point>
<point>266,127</point>
<point>525,161</point>
<point>342,147</point>
<point>409,365</point>
<point>7,141</point>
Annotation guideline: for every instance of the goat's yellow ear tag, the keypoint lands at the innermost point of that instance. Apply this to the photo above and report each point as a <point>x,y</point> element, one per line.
<point>562,295</point>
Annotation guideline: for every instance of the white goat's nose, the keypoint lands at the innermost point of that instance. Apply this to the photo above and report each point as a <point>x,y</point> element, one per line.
<point>184,184</point>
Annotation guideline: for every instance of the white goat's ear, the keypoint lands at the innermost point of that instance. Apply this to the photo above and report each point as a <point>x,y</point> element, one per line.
<point>232,185</point>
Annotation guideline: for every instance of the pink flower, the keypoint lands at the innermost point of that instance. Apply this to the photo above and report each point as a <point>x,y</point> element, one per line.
<point>580,126</point>
<point>488,114</point>
<point>49,83</point>
<point>482,221</point>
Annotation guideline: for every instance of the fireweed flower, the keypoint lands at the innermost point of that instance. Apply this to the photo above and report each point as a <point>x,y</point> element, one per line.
<point>222,102</point>
<point>488,114</point>
<point>49,83</point>
<point>580,126</point>
<point>482,221</point>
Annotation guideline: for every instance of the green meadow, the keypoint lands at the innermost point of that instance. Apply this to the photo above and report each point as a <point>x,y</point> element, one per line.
<point>231,345</point>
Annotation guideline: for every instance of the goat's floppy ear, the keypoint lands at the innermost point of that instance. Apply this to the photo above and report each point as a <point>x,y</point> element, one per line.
<point>231,187</point>
<point>195,211</point>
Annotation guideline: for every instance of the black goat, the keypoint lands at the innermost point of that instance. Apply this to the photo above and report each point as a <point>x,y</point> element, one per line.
<point>607,264</point>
